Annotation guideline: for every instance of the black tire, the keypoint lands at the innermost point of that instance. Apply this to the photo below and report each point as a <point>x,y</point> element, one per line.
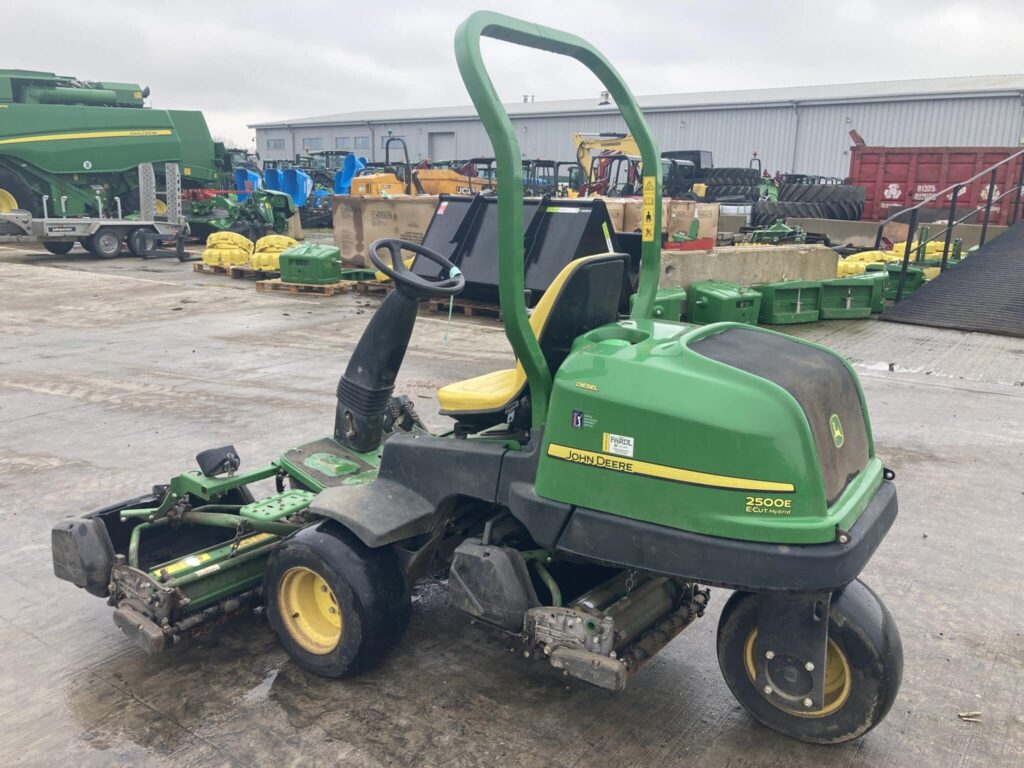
<point>58,247</point>
<point>766,213</point>
<point>138,244</point>
<point>27,201</point>
<point>740,176</point>
<point>870,650</point>
<point>105,242</point>
<point>732,191</point>
<point>365,585</point>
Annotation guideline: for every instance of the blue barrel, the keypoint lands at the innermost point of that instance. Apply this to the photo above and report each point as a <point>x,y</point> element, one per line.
<point>297,184</point>
<point>343,178</point>
<point>272,179</point>
<point>247,181</point>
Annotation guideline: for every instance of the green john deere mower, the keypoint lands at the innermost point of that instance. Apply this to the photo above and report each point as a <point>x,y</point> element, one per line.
<point>583,502</point>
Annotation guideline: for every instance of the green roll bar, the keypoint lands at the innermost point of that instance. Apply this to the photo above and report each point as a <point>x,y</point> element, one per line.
<point>510,178</point>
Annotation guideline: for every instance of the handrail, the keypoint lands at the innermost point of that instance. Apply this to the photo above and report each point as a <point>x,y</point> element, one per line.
<point>948,229</point>
<point>510,178</point>
<point>952,221</point>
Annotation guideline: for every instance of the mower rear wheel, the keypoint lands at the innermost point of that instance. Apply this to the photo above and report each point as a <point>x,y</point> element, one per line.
<point>336,605</point>
<point>863,667</point>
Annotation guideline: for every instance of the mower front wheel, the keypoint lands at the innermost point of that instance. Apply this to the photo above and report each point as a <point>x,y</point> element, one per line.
<point>336,605</point>
<point>863,668</point>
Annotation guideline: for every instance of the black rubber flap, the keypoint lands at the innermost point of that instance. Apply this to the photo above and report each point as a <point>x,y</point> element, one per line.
<point>985,292</point>
<point>818,381</point>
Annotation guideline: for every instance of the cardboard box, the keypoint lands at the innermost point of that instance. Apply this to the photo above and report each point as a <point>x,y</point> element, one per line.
<point>631,214</point>
<point>616,211</point>
<point>414,215</point>
<point>294,230</point>
<point>358,221</point>
<point>682,213</point>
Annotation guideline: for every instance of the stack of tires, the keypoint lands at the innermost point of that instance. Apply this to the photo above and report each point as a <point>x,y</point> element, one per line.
<point>812,201</point>
<point>731,184</point>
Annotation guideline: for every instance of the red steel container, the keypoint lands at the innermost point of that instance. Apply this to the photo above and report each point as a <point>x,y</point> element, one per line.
<point>899,177</point>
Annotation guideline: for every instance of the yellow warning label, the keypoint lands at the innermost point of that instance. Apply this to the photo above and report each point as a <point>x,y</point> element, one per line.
<point>647,217</point>
<point>189,562</point>
<point>258,538</point>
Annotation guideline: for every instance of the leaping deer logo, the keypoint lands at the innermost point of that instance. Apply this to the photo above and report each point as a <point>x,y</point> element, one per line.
<point>836,427</point>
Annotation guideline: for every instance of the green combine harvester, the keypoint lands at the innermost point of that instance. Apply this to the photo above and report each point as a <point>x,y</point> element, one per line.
<point>79,145</point>
<point>582,502</point>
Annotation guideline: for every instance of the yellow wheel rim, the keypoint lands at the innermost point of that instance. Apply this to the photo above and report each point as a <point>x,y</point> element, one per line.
<point>160,208</point>
<point>309,610</point>
<point>8,202</point>
<point>838,679</point>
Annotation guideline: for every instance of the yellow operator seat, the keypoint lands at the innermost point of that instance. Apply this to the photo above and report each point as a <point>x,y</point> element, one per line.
<point>585,295</point>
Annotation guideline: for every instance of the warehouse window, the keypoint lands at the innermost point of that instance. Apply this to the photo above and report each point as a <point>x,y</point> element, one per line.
<point>313,143</point>
<point>384,140</point>
<point>343,142</point>
<point>275,143</point>
<point>362,142</point>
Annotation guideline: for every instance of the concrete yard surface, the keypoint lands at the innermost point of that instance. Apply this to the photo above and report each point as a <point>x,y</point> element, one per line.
<point>114,374</point>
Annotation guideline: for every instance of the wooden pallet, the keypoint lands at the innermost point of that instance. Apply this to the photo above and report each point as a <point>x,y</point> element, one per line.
<point>465,307</point>
<point>210,269</point>
<point>242,272</point>
<point>373,287</point>
<point>316,290</point>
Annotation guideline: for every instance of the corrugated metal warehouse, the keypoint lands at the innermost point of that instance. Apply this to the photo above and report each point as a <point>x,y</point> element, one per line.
<point>797,130</point>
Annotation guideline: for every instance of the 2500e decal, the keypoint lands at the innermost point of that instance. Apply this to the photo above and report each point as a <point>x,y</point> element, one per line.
<point>768,505</point>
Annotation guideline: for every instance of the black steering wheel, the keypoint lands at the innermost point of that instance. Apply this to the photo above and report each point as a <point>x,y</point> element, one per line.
<point>397,271</point>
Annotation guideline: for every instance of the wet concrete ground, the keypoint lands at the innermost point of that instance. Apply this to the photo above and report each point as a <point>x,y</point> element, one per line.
<point>114,374</point>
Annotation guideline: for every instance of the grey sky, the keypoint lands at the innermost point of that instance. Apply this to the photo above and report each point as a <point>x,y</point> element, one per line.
<point>244,62</point>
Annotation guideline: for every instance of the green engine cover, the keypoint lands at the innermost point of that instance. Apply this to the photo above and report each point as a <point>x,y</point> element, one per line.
<point>788,302</point>
<point>311,264</point>
<point>724,430</point>
<point>714,301</point>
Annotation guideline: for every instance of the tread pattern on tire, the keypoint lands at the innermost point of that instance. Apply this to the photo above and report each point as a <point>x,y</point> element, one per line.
<point>768,212</point>
<point>740,176</point>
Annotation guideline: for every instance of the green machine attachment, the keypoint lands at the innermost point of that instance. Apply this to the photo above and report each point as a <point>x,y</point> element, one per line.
<point>716,301</point>
<point>312,264</point>
<point>915,278</point>
<point>843,299</point>
<point>789,302</point>
<point>582,502</point>
<point>669,304</point>
<point>878,282</point>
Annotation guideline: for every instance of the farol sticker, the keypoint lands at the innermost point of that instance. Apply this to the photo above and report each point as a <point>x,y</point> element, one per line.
<point>620,445</point>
